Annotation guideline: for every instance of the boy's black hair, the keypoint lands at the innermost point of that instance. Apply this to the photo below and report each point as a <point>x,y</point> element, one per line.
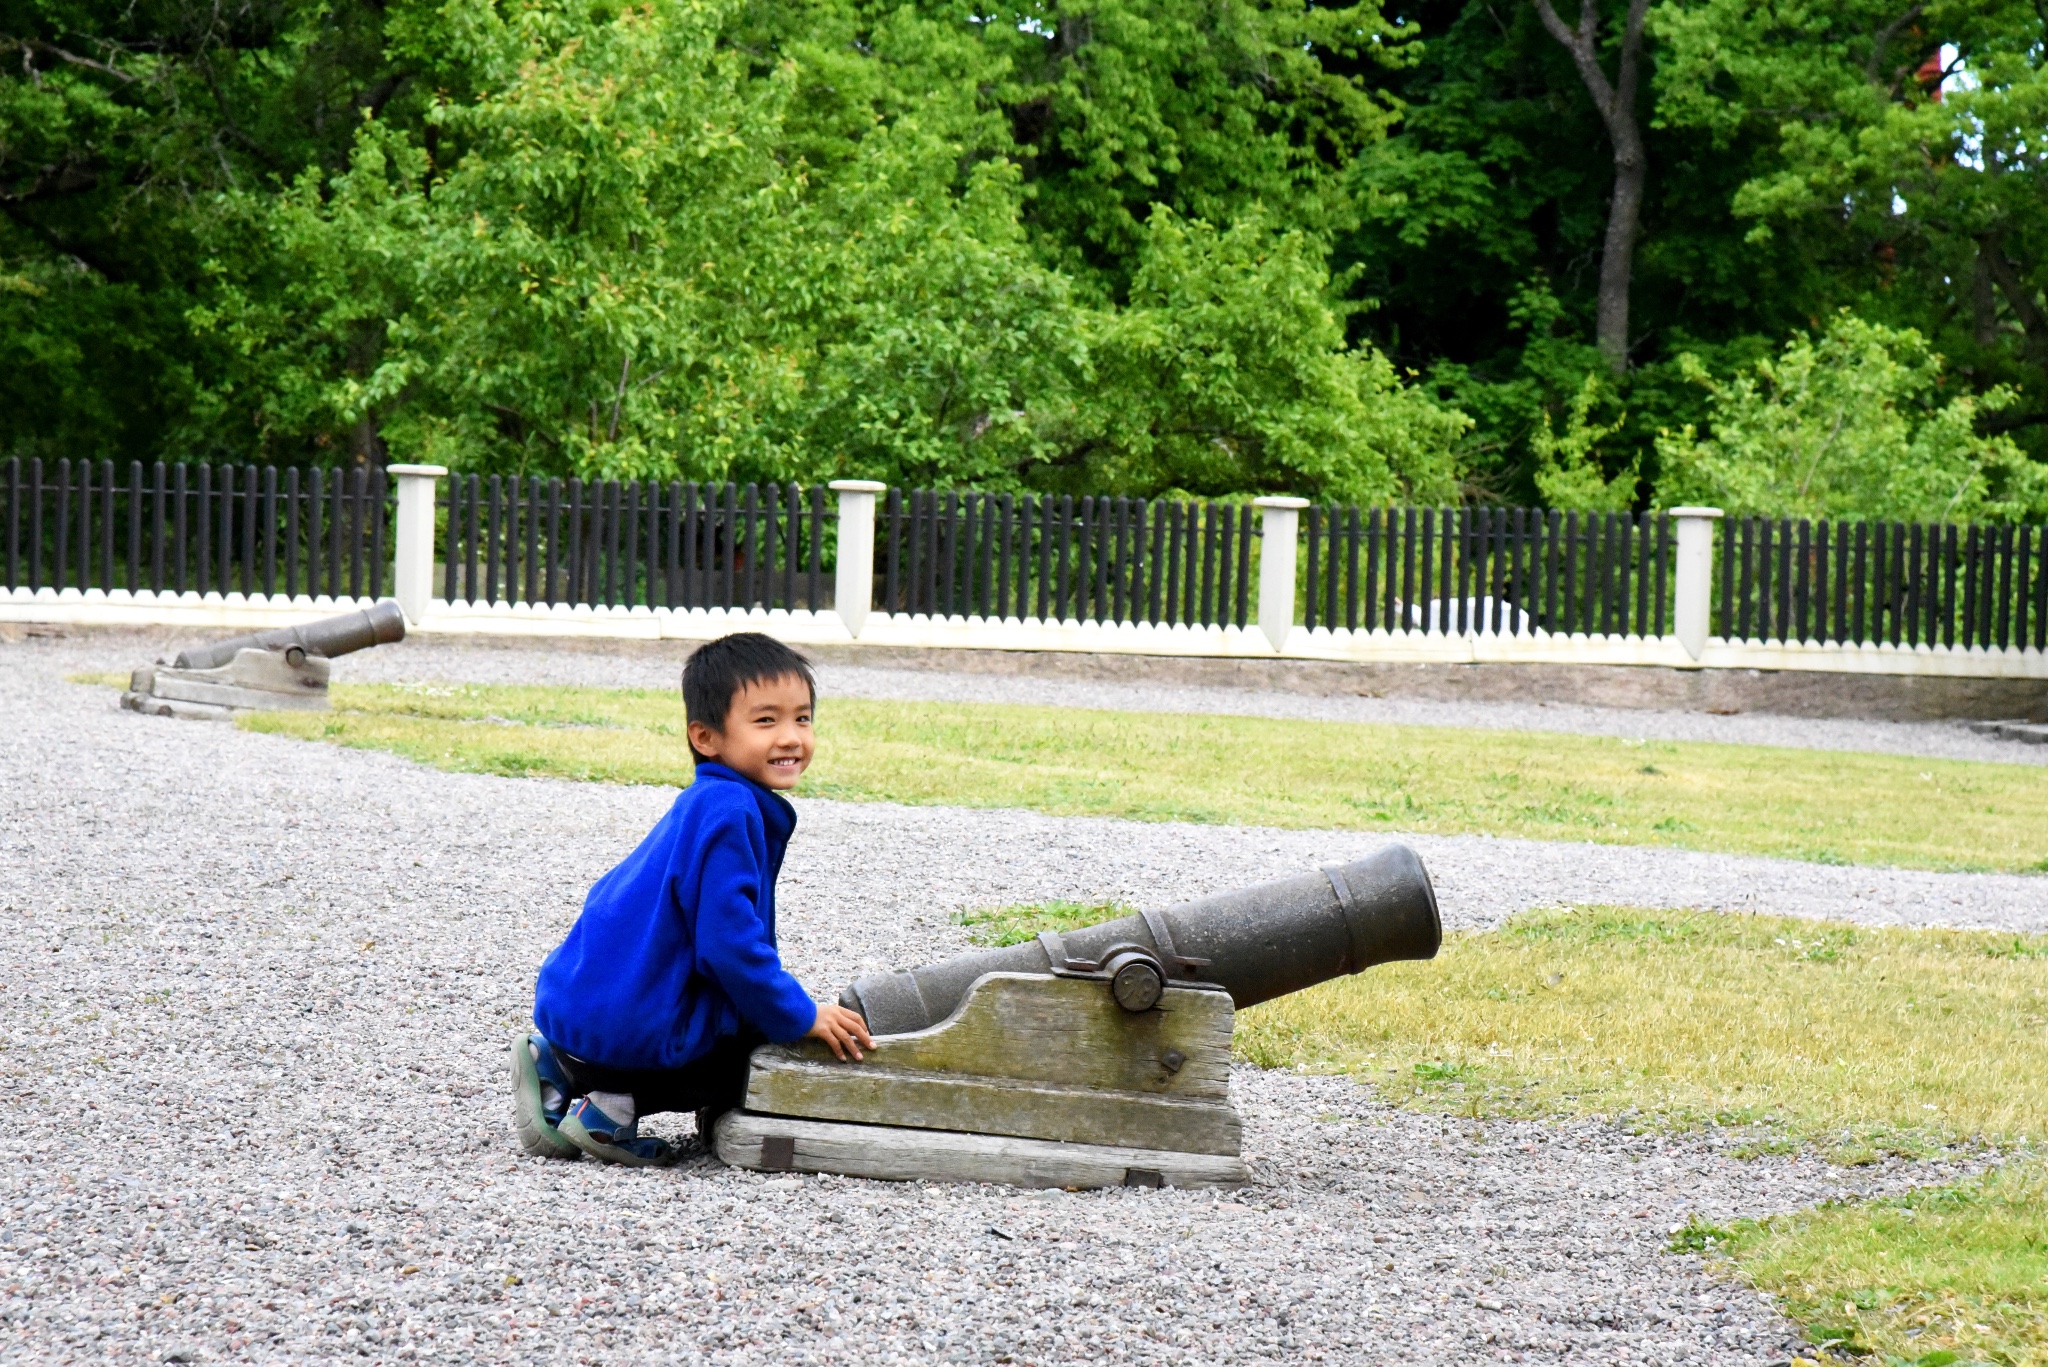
<point>722,669</point>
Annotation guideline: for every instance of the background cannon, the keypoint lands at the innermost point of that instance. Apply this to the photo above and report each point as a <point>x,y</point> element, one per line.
<point>342,634</point>
<point>266,670</point>
<point>1086,1058</point>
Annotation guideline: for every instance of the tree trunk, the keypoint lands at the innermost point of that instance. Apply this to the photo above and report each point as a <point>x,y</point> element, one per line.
<point>1616,102</point>
<point>1983,302</point>
<point>1993,261</point>
<point>366,443</point>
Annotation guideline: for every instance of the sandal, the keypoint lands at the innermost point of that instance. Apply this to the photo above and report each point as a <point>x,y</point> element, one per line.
<point>537,1081</point>
<point>598,1135</point>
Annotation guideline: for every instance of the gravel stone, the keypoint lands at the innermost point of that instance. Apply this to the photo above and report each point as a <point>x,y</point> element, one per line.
<point>259,994</point>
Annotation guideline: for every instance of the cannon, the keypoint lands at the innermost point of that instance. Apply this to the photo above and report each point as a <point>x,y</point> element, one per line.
<point>1094,1057</point>
<point>285,668</point>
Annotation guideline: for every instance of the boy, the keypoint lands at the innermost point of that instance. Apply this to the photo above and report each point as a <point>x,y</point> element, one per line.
<point>670,977</point>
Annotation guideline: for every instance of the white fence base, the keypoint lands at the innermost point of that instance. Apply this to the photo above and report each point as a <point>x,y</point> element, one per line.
<point>234,611</point>
<point>179,611</point>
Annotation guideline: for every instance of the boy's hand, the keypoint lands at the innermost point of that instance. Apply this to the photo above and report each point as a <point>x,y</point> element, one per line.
<point>843,1031</point>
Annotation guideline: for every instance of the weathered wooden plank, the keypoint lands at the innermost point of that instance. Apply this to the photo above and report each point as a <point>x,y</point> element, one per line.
<point>1035,1027</point>
<point>1032,1056</point>
<point>890,1153</point>
<point>173,688</point>
<point>254,679</point>
<point>164,707</point>
<point>881,1095</point>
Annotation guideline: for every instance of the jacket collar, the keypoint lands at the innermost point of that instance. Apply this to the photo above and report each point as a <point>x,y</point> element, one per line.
<point>776,812</point>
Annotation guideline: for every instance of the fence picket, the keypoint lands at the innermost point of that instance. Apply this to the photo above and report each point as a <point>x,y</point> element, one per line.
<point>14,501</point>
<point>2040,595</point>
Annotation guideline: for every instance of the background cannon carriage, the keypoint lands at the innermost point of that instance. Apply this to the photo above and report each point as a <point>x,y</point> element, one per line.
<point>281,668</point>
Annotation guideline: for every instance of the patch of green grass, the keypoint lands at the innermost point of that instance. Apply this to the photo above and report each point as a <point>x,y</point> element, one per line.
<point>998,927</point>
<point>1949,1274</point>
<point>1826,805</point>
<point>1859,1041</point>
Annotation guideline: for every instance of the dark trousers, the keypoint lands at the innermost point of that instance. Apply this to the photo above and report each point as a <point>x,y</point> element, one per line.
<point>715,1082</point>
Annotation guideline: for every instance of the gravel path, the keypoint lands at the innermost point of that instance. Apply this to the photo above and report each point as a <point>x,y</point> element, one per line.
<point>452,662</point>
<point>258,993</point>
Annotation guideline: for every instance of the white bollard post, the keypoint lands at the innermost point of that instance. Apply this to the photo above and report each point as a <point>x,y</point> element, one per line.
<point>853,587</point>
<point>413,570</point>
<point>1693,579</point>
<point>1281,519</point>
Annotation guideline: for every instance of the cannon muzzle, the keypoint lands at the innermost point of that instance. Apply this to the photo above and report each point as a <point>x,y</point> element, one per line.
<point>1258,943</point>
<point>342,634</point>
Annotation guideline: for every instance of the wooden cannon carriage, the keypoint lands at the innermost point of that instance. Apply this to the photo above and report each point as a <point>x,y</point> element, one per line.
<point>1096,1058</point>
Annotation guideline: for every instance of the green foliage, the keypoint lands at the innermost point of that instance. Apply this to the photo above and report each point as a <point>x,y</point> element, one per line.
<point>1483,218</point>
<point>1851,422</point>
<point>114,137</point>
<point>1229,370</point>
<point>1567,470</point>
<point>1087,245</point>
<point>1902,153</point>
<point>1214,110</point>
<point>617,275</point>
<point>614,265</point>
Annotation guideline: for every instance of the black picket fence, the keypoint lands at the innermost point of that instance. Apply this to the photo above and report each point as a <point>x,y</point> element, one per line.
<point>190,527</point>
<point>1902,583</point>
<point>636,543</point>
<point>1058,558</point>
<point>1464,570</point>
<point>184,527</point>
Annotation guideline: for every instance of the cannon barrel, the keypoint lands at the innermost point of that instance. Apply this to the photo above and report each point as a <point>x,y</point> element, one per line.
<point>330,636</point>
<point>1259,943</point>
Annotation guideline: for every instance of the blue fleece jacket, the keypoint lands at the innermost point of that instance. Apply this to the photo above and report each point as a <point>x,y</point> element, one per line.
<point>676,946</point>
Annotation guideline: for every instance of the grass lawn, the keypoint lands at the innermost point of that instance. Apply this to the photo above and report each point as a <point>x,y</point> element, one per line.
<point>1955,1274</point>
<point>1828,806</point>
<point>1858,1041</point>
<point>1862,1041</point>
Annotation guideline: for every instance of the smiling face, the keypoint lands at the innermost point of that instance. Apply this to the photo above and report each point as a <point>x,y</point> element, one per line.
<point>767,733</point>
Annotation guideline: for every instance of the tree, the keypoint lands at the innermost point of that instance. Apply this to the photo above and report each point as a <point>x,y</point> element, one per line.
<point>1568,473</point>
<point>1480,246</point>
<point>610,266</point>
<point>1215,109</point>
<point>662,242</point>
<point>1616,102</point>
<point>1229,371</point>
<point>119,127</point>
<point>1907,152</point>
<point>1216,247</point>
<point>1852,423</point>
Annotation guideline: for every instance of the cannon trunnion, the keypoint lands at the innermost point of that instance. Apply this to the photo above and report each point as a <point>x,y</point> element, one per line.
<point>1096,1057</point>
<point>265,671</point>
